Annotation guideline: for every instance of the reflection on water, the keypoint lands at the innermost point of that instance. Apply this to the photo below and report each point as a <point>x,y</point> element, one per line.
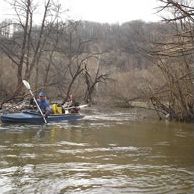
<point>103,153</point>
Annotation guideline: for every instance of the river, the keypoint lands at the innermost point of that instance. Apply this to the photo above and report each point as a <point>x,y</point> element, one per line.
<point>106,152</point>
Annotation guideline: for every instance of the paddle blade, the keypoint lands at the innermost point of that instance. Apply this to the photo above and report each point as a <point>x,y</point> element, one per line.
<point>27,85</point>
<point>83,105</point>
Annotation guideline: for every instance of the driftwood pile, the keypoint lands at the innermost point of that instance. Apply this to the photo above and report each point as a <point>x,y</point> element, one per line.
<point>15,107</point>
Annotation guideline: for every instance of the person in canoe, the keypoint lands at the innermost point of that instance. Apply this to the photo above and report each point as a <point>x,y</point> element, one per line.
<point>44,103</point>
<point>69,102</point>
<point>71,105</point>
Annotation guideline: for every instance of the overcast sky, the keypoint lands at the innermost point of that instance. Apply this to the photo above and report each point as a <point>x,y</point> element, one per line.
<point>104,11</point>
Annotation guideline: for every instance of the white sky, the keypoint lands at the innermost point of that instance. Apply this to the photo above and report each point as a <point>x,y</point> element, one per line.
<point>104,11</point>
<point>113,11</point>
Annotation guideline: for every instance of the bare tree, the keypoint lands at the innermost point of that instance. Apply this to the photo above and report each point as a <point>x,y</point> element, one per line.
<point>26,45</point>
<point>73,51</point>
<point>93,81</point>
<point>174,57</point>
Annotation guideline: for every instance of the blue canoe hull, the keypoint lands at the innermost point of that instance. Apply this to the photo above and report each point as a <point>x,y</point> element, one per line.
<point>32,117</point>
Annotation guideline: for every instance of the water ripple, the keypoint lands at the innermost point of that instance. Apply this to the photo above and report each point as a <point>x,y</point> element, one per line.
<point>103,153</point>
<point>96,178</point>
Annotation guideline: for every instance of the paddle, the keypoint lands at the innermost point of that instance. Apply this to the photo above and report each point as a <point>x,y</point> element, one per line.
<point>80,106</point>
<point>27,85</point>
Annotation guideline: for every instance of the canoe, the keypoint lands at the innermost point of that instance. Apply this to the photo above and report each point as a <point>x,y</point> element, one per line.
<point>33,117</point>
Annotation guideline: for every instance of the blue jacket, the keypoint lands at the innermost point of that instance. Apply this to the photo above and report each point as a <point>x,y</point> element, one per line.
<point>44,106</point>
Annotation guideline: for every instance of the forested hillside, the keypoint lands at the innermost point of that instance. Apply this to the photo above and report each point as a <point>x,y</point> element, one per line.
<point>101,63</point>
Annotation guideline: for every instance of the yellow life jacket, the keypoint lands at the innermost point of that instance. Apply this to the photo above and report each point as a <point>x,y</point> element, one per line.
<point>56,109</point>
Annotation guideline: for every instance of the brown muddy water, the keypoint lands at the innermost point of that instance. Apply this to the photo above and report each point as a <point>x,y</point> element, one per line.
<point>106,152</point>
